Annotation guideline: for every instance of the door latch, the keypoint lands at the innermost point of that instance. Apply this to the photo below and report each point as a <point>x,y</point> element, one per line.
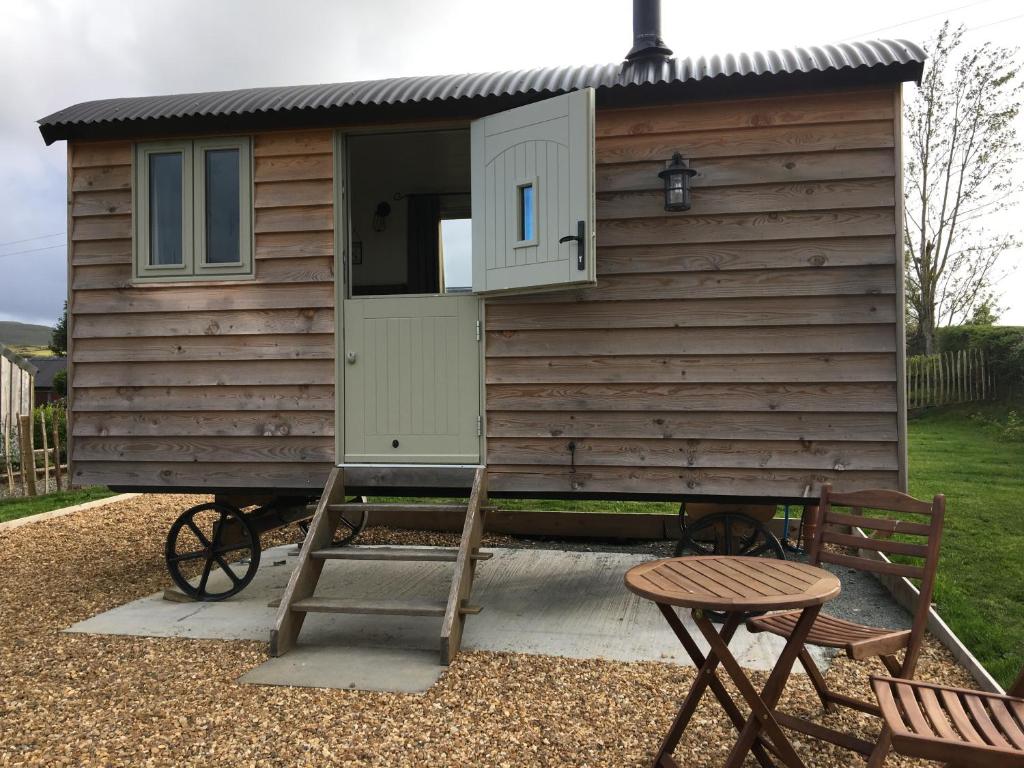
<point>581,244</point>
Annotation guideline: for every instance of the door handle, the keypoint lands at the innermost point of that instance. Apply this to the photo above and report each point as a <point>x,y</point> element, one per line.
<point>581,244</point>
<point>350,358</point>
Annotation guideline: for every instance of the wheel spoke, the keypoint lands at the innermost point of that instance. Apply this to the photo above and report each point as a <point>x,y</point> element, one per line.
<point>205,577</point>
<point>759,550</point>
<point>199,534</point>
<point>747,543</point>
<point>188,556</point>
<point>218,530</point>
<point>227,569</point>
<point>728,535</point>
<point>232,548</point>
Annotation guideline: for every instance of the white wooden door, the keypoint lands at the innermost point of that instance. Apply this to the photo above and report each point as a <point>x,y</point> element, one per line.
<point>533,185</point>
<point>412,380</point>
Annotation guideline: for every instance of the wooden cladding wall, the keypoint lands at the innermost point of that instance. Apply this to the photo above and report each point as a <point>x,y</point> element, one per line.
<point>746,347</point>
<point>211,385</point>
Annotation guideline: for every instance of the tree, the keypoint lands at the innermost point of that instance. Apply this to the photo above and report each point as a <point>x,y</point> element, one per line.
<point>959,171</point>
<point>59,335</point>
<point>60,383</point>
<point>985,314</point>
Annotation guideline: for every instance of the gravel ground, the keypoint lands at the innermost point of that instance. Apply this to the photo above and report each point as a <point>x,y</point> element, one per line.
<point>80,700</point>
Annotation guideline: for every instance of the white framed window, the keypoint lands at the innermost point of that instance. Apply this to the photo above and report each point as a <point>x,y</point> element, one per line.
<point>526,213</point>
<point>193,209</point>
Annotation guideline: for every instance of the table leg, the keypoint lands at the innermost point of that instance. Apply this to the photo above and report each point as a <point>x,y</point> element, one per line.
<point>761,705</point>
<point>705,675</point>
<point>712,680</point>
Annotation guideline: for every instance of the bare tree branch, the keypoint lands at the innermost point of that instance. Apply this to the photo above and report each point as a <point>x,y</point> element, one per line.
<point>961,151</point>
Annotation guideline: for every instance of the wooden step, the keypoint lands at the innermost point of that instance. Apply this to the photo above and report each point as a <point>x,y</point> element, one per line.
<point>376,607</point>
<point>299,597</point>
<point>396,554</point>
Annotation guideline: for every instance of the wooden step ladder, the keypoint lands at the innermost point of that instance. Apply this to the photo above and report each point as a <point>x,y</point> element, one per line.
<point>299,598</point>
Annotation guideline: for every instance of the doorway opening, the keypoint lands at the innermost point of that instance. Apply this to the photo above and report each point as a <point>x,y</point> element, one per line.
<point>410,216</point>
<point>410,321</point>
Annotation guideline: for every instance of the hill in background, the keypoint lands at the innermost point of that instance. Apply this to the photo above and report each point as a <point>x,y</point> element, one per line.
<point>24,338</point>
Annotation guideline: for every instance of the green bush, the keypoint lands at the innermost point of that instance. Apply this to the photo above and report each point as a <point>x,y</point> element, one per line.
<point>54,412</point>
<point>60,383</point>
<point>1010,429</point>
<point>1003,346</point>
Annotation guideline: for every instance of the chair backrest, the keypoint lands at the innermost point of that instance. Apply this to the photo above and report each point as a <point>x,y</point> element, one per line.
<point>883,515</point>
<point>1017,689</point>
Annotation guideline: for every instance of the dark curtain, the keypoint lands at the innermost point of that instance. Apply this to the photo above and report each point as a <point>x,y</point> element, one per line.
<point>423,243</point>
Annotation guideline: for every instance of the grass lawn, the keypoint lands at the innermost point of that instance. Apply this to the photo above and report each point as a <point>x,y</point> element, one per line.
<point>30,351</point>
<point>22,506</point>
<point>980,583</point>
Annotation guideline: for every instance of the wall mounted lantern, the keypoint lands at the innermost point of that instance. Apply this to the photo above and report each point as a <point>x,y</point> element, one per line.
<point>677,184</point>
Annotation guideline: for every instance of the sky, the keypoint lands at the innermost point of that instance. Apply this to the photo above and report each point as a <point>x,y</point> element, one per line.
<point>54,53</point>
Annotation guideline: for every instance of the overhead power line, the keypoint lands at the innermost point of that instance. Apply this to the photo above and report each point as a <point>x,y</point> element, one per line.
<point>998,21</point>
<point>30,239</point>
<point>33,250</point>
<point>919,18</point>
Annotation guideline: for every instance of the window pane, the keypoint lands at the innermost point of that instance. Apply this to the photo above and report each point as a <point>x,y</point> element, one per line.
<point>526,222</point>
<point>222,206</point>
<point>457,255</point>
<point>165,208</point>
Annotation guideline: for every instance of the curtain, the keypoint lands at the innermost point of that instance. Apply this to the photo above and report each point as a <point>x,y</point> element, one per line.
<point>423,243</point>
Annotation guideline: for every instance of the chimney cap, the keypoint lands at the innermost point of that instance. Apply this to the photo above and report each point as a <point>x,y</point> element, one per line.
<point>647,42</point>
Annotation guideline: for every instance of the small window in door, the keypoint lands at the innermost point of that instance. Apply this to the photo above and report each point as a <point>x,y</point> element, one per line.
<point>526,213</point>
<point>457,255</point>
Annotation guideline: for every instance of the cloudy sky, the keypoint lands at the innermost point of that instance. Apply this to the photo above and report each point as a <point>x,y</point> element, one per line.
<point>58,52</point>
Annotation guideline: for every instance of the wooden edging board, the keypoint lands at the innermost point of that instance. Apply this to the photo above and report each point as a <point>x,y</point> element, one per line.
<point>908,596</point>
<point>598,525</point>
<point>539,523</point>
<point>43,516</point>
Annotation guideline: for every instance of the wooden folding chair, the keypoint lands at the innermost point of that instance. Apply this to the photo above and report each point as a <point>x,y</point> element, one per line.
<point>967,729</point>
<point>920,535</point>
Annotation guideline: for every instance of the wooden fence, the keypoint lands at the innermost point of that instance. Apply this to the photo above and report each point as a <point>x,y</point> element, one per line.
<point>17,395</point>
<point>951,377</point>
<point>30,468</point>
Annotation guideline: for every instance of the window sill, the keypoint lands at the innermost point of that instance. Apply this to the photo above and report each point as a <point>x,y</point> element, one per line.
<point>191,282</point>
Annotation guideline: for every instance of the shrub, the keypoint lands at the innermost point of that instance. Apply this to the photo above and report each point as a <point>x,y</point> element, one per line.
<point>1003,347</point>
<point>1012,430</point>
<point>60,383</point>
<point>55,413</point>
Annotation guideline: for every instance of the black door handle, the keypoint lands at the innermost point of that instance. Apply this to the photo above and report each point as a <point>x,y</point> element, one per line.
<point>581,244</point>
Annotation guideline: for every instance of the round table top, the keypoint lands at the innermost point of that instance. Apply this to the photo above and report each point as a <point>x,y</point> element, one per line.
<point>732,584</point>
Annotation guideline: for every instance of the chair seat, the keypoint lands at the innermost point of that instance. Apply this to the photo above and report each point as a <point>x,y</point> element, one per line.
<point>859,640</point>
<point>951,725</point>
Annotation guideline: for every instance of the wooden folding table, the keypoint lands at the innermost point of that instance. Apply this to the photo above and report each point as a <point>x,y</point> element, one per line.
<point>737,586</point>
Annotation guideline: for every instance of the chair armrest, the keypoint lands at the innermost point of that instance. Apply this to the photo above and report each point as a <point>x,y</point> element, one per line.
<point>882,645</point>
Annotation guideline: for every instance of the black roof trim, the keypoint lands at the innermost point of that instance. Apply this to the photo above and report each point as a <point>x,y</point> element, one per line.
<point>870,62</point>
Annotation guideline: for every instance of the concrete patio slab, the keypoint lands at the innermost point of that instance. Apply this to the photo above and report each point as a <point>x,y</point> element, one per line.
<point>536,601</point>
<point>364,669</point>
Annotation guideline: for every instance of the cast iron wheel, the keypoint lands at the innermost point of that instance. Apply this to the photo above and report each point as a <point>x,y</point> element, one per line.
<point>210,536</point>
<point>729,533</point>
<point>350,524</point>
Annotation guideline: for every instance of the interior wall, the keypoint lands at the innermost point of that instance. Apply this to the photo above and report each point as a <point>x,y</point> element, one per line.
<point>404,163</point>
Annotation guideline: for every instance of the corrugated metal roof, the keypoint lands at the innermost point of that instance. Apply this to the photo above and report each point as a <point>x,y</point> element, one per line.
<point>884,54</point>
